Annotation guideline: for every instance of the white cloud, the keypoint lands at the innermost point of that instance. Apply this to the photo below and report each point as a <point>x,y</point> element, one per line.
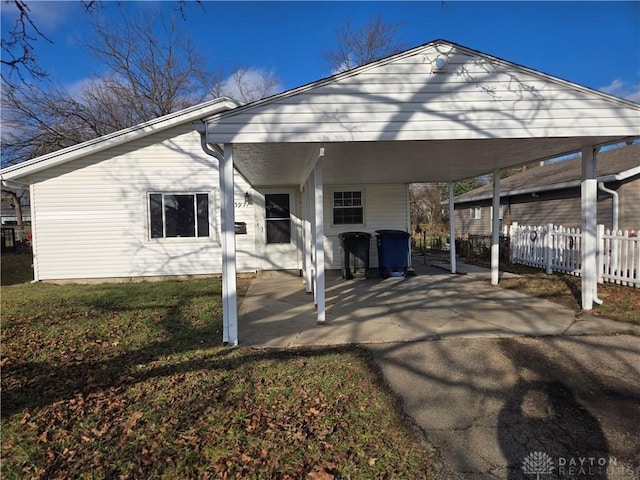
<point>249,84</point>
<point>46,16</point>
<point>623,90</point>
<point>348,64</point>
<point>77,88</point>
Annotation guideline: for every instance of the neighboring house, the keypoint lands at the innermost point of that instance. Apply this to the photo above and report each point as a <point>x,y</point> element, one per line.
<point>298,168</point>
<point>8,211</point>
<point>13,231</point>
<point>551,194</point>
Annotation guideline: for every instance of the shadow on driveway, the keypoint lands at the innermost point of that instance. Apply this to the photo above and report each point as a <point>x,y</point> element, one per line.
<point>489,405</point>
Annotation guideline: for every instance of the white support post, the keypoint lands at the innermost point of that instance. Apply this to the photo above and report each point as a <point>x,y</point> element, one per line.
<point>229,292</point>
<point>312,250</point>
<point>589,192</point>
<point>495,229</point>
<point>548,249</point>
<point>452,230</point>
<point>307,237</point>
<point>319,240</point>
<point>513,233</point>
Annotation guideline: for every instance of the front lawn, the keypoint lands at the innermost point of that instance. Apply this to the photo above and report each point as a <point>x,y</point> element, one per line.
<point>130,381</point>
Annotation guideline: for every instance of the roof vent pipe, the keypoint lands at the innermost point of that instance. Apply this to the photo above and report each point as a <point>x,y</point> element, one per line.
<point>615,198</point>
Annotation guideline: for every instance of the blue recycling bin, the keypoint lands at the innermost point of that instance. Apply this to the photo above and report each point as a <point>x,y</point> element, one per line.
<point>355,254</point>
<point>393,253</point>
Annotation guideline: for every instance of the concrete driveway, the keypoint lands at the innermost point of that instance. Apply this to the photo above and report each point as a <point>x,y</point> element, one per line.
<point>277,312</point>
<point>505,386</point>
<point>490,405</point>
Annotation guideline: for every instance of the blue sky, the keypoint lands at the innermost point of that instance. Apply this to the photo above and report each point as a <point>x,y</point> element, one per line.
<point>596,44</point>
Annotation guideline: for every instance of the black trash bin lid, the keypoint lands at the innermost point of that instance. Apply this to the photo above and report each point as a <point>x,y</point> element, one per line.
<point>354,235</point>
<point>392,233</point>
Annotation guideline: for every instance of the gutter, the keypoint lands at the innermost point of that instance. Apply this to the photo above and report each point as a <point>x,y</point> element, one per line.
<point>12,183</point>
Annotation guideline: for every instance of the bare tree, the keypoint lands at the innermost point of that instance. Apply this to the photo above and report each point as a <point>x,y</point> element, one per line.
<point>376,39</point>
<point>148,68</point>
<point>16,198</point>
<point>152,73</point>
<point>426,209</point>
<point>18,44</point>
<point>37,121</point>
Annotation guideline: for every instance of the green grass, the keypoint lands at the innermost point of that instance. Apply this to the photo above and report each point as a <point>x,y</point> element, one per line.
<point>130,381</point>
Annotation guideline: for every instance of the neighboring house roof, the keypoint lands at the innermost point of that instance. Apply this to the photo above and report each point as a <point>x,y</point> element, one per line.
<point>118,138</point>
<point>613,165</point>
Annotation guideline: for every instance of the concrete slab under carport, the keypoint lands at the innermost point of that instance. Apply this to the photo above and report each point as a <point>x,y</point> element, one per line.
<point>434,304</point>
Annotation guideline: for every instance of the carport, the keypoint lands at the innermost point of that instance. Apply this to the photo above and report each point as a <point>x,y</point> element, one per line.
<point>440,112</point>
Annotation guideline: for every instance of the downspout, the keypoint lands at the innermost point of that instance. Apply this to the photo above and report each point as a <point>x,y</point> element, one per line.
<point>202,130</point>
<point>614,220</point>
<point>615,199</point>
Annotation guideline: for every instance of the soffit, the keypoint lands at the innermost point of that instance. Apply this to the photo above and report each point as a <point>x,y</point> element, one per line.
<point>345,163</point>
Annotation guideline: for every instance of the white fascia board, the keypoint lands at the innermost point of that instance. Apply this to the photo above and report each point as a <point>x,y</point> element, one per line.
<point>117,138</point>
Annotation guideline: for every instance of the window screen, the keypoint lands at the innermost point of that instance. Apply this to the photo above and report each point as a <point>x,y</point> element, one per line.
<point>348,208</point>
<point>174,215</point>
<point>278,216</point>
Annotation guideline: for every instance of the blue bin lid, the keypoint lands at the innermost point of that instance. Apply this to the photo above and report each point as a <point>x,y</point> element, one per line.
<point>392,233</point>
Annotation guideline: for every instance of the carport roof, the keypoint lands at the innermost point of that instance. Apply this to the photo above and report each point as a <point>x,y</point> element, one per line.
<point>407,119</point>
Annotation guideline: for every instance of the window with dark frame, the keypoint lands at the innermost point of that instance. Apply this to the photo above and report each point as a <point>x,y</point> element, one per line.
<point>348,208</point>
<point>178,215</point>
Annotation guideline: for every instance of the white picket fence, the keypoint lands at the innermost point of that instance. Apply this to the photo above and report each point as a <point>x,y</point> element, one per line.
<point>558,249</point>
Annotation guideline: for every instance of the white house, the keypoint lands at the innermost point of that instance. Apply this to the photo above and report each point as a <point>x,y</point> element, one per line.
<point>298,168</point>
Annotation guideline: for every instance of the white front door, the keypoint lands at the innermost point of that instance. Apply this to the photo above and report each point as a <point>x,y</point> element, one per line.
<point>278,233</point>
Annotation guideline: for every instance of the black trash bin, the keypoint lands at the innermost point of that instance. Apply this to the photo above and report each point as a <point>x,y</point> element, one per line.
<point>355,254</point>
<point>393,253</point>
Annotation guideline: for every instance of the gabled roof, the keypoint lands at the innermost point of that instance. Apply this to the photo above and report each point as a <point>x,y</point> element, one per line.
<point>476,114</point>
<point>613,165</point>
<point>520,95</point>
<point>120,137</point>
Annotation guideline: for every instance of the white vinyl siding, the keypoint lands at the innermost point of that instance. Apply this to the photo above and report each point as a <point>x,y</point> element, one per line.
<point>386,209</point>
<point>401,99</point>
<point>92,217</point>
